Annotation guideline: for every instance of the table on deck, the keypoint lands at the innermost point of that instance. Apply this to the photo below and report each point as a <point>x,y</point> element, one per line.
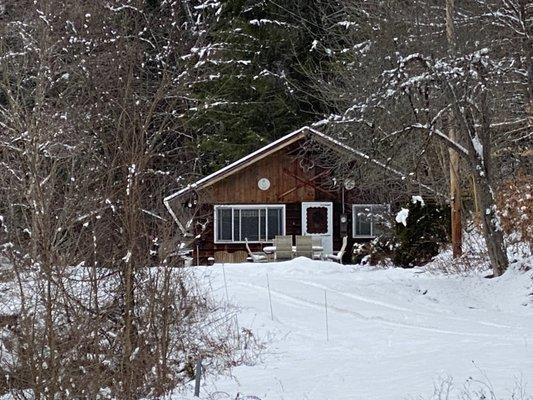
<point>272,249</point>
<point>317,250</point>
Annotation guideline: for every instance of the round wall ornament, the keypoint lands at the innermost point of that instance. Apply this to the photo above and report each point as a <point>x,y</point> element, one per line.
<point>263,184</point>
<point>349,184</point>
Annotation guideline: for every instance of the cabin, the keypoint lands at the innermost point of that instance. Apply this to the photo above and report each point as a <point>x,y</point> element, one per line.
<point>288,187</point>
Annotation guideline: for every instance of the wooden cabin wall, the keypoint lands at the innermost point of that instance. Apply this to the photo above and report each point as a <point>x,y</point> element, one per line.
<point>284,174</point>
<point>293,219</point>
<point>241,187</point>
<point>208,248</point>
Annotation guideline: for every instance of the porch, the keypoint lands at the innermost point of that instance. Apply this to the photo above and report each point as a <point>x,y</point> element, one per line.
<point>235,227</point>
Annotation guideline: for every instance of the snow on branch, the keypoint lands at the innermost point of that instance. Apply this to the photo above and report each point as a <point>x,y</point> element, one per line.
<point>433,130</point>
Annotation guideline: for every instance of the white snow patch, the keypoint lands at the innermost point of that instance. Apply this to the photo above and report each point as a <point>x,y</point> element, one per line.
<point>127,257</point>
<point>478,147</point>
<point>418,199</point>
<point>402,215</point>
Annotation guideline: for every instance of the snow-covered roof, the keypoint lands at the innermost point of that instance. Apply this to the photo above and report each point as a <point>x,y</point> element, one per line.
<point>286,140</point>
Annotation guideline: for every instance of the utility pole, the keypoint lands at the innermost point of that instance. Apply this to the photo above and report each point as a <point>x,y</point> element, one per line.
<point>455,185</point>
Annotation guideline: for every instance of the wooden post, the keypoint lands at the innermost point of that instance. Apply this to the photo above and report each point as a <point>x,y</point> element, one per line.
<point>326,307</point>
<point>455,184</point>
<point>455,197</point>
<point>270,299</point>
<point>237,329</point>
<point>198,377</point>
<point>197,255</point>
<point>225,282</point>
<point>476,203</point>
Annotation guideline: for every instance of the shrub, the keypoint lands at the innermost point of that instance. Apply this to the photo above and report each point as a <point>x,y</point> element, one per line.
<point>515,202</point>
<point>426,229</point>
<point>377,252</point>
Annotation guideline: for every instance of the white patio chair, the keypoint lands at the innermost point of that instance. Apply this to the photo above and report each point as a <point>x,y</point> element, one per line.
<point>257,256</point>
<point>304,246</point>
<point>283,247</point>
<point>339,254</point>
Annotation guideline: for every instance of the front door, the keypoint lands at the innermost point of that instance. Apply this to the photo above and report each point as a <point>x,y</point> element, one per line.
<point>317,220</point>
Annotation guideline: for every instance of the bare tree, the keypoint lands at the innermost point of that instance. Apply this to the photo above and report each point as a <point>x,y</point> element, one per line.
<point>393,84</point>
<point>91,140</point>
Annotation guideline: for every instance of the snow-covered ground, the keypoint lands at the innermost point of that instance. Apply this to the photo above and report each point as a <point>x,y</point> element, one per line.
<point>393,334</point>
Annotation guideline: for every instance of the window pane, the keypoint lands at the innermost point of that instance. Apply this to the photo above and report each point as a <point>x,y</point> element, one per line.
<point>224,224</point>
<point>236,225</point>
<point>249,225</point>
<point>262,224</point>
<point>362,218</point>
<point>317,220</point>
<point>275,223</point>
<point>379,214</point>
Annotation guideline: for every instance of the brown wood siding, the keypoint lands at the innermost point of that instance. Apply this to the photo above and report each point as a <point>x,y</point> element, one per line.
<point>293,218</point>
<point>241,188</point>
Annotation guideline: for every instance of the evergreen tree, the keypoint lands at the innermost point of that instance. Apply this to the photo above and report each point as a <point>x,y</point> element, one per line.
<point>251,85</point>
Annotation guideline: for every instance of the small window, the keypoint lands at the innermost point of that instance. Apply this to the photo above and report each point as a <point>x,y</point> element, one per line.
<point>235,224</point>
<point>317,220</point>
<point>368,219</point>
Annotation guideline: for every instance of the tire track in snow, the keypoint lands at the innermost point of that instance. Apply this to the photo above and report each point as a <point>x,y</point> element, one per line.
<point>356,297</point>
<point>299,303</point>
<point>398,308</point>
<point>295,300</point>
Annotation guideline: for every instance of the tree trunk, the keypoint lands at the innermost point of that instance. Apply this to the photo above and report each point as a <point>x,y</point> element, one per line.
<point>479,158</point>
<point>455,182</point>
<point>455,198</point>
<point>129,309</point>
<point>527,45</point>
<point>491,226</point>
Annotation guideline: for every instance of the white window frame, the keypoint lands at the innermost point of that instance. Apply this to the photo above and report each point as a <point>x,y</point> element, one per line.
<point>233,207</point>
<point>354,218</point>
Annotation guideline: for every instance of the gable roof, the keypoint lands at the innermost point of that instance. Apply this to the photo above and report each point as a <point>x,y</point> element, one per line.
<point>302,133</point>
